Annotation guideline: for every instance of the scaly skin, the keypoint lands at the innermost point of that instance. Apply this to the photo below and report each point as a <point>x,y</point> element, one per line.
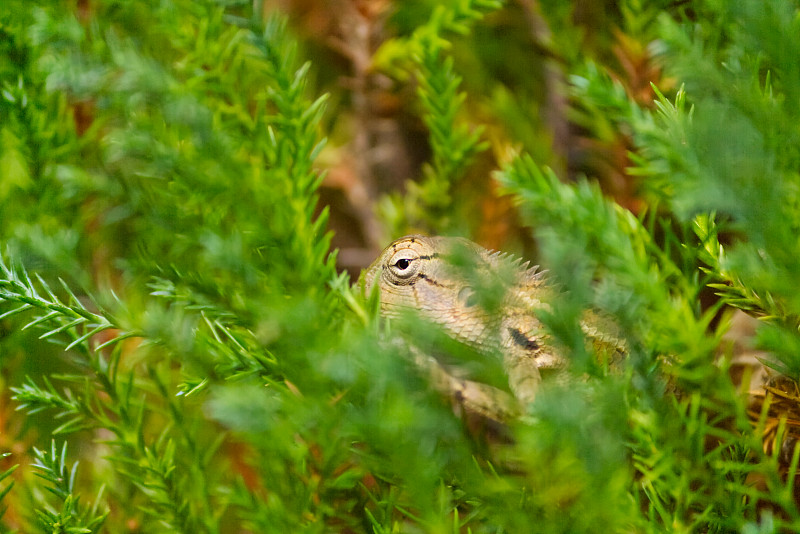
<point>445,278</point>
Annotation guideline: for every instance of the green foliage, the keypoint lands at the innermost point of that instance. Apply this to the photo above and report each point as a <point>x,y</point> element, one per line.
<point>453,143</point>
<point>642,286</point>
<point>730,161</point>
<point>72,518</point>
<point>9,485</point>
<point>170,307</point>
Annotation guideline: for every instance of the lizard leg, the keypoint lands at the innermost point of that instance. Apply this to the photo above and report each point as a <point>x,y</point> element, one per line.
<point>474,397</point>
<point>527,354</point>
<point>524,376</point>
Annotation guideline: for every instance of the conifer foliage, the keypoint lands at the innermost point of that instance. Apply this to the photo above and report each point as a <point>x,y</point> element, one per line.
<point>179,353</point>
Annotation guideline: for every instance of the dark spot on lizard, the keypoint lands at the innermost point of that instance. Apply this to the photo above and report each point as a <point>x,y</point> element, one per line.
<point>522,340</point>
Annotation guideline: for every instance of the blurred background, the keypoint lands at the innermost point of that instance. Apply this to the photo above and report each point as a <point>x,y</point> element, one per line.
<point>521,69</point>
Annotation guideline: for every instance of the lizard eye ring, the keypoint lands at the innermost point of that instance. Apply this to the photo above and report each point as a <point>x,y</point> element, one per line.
<point>403,265</point>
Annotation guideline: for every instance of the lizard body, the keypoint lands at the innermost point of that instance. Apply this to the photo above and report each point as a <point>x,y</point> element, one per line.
<point>484,299</point>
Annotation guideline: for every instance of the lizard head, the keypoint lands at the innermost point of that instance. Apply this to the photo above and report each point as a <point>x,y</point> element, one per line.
<point>481,298</point>
<point>420,272</point>
<point>399,268</point>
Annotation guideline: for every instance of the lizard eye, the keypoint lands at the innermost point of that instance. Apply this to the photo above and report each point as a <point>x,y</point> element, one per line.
<point>403,265</point>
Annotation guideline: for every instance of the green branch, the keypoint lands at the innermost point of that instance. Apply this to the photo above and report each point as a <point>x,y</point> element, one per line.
<point>70,517</point>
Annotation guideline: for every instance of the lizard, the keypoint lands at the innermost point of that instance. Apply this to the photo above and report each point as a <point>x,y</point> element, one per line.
<point>487,300</point>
